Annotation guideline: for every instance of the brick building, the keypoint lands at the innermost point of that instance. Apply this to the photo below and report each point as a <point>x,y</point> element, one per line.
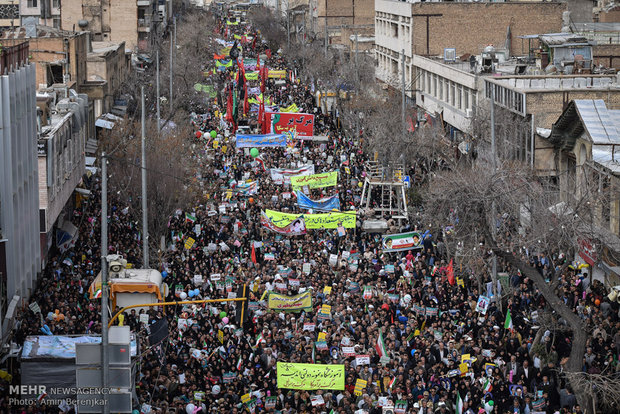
<point>59,56</point>
<point>428,28</point>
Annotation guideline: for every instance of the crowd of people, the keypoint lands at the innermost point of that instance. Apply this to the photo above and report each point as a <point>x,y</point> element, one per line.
<point>442,354</point>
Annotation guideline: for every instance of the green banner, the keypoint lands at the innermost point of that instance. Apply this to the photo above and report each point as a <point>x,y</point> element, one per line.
<point>315,221</point>
<point>310,376</point>
<point>328,179</point>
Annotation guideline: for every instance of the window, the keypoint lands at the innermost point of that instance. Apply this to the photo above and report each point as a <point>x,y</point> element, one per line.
<point>440,96</point>
<point>56,3</point>
<point>435,85</point>
<point>32,3</point>
<point>466,99</point>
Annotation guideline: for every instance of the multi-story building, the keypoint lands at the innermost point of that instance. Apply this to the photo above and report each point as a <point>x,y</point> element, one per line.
<point>108,65</point>
<point>43,12</point>
<point>59,56</point>
<point>9,14</point>
<point>129,21</point>
<point>20,252</point>
<point>583,150</point>
<point>65,125</point>
<point>429,28</point>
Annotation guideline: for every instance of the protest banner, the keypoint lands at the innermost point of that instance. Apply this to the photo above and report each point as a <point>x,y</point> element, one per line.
<point>315,221</point>
<point>294,228</point>
<point>400,407</point>
<point>324,204</point>
<point>348,351</point>
<point>360,384</point>
<point>283,175</point>
<point>402,241</point>
<point>362,359</point>
<point>328,179</point>
<point>189,243</point>
<point>310,376</point>
<point>482,305</point>
<point>302,124</point>
<point>299,302</point>
<point>260,140</point>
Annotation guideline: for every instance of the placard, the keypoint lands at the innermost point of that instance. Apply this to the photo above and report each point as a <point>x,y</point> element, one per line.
<point>362,359</point>
<point>310,376</point>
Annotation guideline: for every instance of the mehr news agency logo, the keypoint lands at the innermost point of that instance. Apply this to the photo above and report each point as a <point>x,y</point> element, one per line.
<point>23,395</point>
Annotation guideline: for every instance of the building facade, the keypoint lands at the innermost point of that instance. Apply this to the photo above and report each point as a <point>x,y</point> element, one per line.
<point>44,12</point>
<point>65,128</point>
<point>9,14</point>
<point>20,254</point>
<point>59,56</point>
<point>429,28</point>
<point>129,21</point>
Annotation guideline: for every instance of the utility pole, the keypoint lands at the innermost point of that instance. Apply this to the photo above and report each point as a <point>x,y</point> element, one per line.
<point>145,218</point>
<point>493,212</point>
<point>326,38</point>
<point>357,72</point>
<point>402,110</point>
<point>171,64</point>
<point>157,83</point>
<point>104,280</point>
<point>288,30</point>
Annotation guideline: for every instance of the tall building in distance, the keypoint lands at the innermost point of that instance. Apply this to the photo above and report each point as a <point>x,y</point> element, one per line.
<point>20,251</point>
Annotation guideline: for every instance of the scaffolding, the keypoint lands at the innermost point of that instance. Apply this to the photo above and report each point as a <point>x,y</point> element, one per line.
<point>384,191</point>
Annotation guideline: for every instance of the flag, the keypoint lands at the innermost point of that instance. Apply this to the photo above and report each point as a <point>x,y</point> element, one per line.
<point>313,353</point>
<point>41,396</point>
<point>253,253</point>
<point>488,387</point>
<point>392,381</point>
<point>380,346</point>
<point>260,338</point>
<point>97,294</point>
<point>459,403</point>
<point>508,321</point>
<point>239,362</point>
<point>450,271</point>
<point>189,217</point>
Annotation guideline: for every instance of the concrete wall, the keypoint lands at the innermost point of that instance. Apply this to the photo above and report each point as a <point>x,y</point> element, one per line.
<point>469,27</point>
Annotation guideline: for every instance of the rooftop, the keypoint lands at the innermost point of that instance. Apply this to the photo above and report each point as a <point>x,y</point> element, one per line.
<point>36,31</point>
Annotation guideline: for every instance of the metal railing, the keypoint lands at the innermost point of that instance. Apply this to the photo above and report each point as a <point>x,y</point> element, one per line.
<point>12,57</point>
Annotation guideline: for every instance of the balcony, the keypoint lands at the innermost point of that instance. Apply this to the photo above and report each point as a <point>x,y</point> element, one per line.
<point>12,57</point>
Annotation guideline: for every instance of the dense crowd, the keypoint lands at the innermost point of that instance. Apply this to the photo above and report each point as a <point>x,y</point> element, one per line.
<point>506,370</point>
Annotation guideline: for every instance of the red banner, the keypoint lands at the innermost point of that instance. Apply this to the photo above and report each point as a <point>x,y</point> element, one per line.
<point>279,122</point>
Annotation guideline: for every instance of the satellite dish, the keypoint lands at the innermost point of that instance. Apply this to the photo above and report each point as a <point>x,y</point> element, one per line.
<point>82,23</point>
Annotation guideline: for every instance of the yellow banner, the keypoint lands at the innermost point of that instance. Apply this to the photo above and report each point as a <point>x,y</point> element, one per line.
<point>315,221</point>
<point>310,376</point>
<point>277,74</point>
<point>291,108</point>
<point>189,243</point>
<point>328,179</point>
<point>290,303</point>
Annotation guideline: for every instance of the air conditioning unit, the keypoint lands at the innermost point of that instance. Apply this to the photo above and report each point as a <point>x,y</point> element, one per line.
<point>388,409</point>
<point>469,113</point>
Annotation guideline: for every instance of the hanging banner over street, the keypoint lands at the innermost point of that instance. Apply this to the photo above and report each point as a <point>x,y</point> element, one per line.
<point>262,140</point>
<point>402,241</point>
<point>285,122</point>
<point>328,179</point>
<point>295,228</point>
<point>310,376</point>
<point>299,302</point>
<point>324,204</point>
<point>283,176</point>
<point>315,221</point>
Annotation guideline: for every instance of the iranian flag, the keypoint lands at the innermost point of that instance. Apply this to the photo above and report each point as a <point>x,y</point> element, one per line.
<point>392,381</point>
<point>488,387</point>
<point>260,338</point>
<point>459,403</point>
<point>380,346</point>
<point>239,363</point>
<point>508,321</point>
<point>189,217</point>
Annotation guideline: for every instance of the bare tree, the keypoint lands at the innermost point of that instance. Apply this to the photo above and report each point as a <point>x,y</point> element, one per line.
<point>528,218</point>
<point>168,176</point>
